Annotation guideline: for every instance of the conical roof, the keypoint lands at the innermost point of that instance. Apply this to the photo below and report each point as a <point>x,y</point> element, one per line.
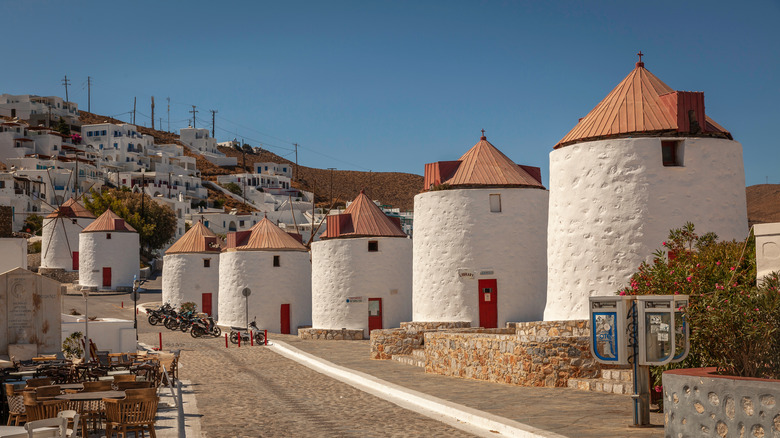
<point>485,165</point>
<point>265,235</point>
<point>634,106</point>
<point>109,221</point>
<point>71,209</point>
<point>197,239</point>
<point>365,219</point>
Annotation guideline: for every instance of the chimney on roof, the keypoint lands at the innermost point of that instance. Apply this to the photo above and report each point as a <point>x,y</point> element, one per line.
<point>687,107</point>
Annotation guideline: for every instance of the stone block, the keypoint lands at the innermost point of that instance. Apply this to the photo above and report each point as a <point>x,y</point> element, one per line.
<point>19,352</point>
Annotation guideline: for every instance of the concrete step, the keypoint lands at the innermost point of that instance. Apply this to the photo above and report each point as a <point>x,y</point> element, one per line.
<point>602,385</point>
<point>419,354</point>
<point>409,359</point>
<point>621,375</point>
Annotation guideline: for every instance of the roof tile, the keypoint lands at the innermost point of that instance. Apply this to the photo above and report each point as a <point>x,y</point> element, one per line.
<point>109,221</point>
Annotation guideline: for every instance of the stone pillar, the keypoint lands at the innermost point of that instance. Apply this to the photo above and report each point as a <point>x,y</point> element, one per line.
<point>767,249</point>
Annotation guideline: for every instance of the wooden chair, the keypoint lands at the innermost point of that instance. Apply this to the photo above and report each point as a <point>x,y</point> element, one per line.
<point>141,393</point>
<point>131,415</point>
<point>16,411</point>
<point>124,386</point>
<point>34,427</point>
<point>72,418</point>
<point>47,392</point>
<point>42,410</point>
<point>100,385</point>
<point>40,381</point>
<point>124,378</point>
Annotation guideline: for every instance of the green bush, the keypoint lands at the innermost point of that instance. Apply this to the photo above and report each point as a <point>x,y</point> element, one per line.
<point>234,188</point>
<point>34,248</point>
<point>734,325</point>
<point>188,306</point>
<point>33,224</point>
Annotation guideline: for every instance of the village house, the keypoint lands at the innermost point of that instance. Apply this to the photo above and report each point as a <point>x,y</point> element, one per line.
<point>200,142</point>
<point>618,185</point>
<point>275,268</point>
<point>108,254</point>
<point>361,273</point>
<point>191,270</point>
<point>480,240</point>
<point>40,110</point>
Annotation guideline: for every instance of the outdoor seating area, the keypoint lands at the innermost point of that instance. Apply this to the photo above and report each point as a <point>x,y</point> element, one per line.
<point>111,395</point>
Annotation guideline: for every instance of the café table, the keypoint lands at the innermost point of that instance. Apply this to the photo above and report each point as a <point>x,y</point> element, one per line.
<point>83,397</point>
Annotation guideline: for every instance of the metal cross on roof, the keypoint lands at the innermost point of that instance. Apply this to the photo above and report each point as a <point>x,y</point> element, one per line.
<point>483,134</point>
<point>640,55</point>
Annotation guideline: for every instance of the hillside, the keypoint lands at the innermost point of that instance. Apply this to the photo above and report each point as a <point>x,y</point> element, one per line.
<point>391,188</point>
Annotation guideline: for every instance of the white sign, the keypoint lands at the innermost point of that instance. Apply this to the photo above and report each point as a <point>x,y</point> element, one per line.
<point>485,272</point>
<point>354,300</point>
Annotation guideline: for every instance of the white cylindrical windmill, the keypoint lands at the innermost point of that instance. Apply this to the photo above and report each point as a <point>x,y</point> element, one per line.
<point>191,270</point>
<point>108,253</point>
<point>60,236</point>
<point>645,160</point>
<point>361,271</point>
<point>265,274</point>
<point>479,241</point>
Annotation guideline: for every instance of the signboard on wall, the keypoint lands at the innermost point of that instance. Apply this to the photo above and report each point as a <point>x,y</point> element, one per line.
<point>354,300</point>
<point>486,272</point>
<point>466,273</point>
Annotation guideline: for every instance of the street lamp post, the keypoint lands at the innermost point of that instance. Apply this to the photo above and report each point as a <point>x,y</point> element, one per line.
<point>87,353</point>
<point>136,283</point>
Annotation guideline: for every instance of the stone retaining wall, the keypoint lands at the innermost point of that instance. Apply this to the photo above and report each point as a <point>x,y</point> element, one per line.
<point>6,221</point>
<point>539,354</point>
<point>699,403</point>
<point>330,335</point>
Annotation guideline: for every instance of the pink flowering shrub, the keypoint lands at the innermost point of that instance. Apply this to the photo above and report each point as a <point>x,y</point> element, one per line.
<point>734,325</point>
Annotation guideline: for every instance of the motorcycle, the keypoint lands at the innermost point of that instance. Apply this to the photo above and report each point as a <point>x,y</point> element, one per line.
<point>254,332</point>
<point>157,316</point>
<point>205,326</point>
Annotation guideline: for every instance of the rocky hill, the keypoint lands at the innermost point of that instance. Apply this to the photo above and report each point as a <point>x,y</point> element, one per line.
<point>763,203</point>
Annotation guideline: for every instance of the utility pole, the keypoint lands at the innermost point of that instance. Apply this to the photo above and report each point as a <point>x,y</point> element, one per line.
<point>152,112</point>
<point>331,184</point>
<point>89,94</point>
<point>295,177</point>
<point>66,82</point>
<point>193,115</point>
<point>134,99</point>
<point>213,113</point>
<point>169,114</point>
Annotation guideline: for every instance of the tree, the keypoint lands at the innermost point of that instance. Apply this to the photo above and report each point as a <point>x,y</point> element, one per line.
<point>734,323</point>
<point>156,224</point>
<point>63,127</point>
<point>33,224</point>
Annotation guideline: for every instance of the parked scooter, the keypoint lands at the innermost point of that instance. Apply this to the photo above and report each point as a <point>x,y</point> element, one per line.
<point>254,332</point>
<point>205,326</point>
<point>157,316</point>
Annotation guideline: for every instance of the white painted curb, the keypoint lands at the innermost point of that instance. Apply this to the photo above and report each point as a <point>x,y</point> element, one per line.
<point>462,417</point>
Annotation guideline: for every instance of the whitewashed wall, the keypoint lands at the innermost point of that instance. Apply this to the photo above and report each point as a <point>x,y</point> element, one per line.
<point>290,283</point>
<point>184,278</point>
<point>455,230</point>
<point>343,268</point>
<point>114,335</point>
<point>60,238</point>
<point>14,253</point>
<point>120,253</point>
<point>612,204</point>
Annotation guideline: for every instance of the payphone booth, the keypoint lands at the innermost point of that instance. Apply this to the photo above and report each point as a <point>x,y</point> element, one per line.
<point>642,331</point>
<point>609,329</point>
<point>663,331</point>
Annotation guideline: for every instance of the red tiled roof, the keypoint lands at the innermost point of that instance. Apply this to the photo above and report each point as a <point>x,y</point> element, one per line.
<point>197,239</point>
<point>71,209</point>
<point>642,103</point>
<point>109,221</point>
<point>482,165</point>
<point>362,219</point>
<point>264,235</point>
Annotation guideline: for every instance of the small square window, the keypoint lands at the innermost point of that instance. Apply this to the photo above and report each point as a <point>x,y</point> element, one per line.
<point>373,246</point>
<point>495,203</point>
<point>108,235</point>
<point>276,261</point>
<point>672,153</point>
<point>206,263</point>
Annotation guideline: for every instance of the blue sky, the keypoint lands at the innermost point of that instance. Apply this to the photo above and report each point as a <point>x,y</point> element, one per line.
<point>390,86</point>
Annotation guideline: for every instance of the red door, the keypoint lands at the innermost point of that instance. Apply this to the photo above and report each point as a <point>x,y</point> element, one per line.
<point>374,314</point>
<point>206,303</point>
<point>284,317</point>
<point>75,260</point>
<point>106,277</point>
<point>488,304</point>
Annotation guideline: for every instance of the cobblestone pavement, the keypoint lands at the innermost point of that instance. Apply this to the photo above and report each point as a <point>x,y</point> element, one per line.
<point>253,392</point>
